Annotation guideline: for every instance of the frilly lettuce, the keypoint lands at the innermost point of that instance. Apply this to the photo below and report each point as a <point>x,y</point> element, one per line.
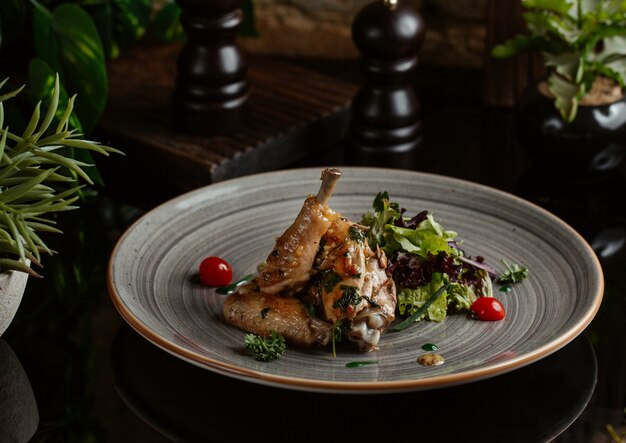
<point>410,300</point>
<point>428,237</point>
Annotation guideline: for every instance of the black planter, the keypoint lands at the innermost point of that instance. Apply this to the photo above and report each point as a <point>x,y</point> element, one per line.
<point>593,145</point>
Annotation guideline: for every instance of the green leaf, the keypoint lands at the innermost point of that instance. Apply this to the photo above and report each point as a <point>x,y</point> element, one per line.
<point>102,15</point>
<point>567,65</point>
<point>14,265</point>
<point>83,61</point>
<point>516,45</point>
<point>167,27</point>
<point>426,301</point>
<point>566,94</point>
<point>41,81</point>
<point>559,6</point>
<point>45,38</point>
<point>129,21</point>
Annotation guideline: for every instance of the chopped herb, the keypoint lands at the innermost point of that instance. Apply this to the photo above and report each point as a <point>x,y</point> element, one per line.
<point>356,234</point>
<point>505,288</point>
<point>225,290</point>
<point>328,280</point>
<point>358,364</point>
<point>265,349</point>
<point>310,309</point>
<point>514,273</point>
<point>371,302</point>
<point>350,297</point>
<point>264,312</point>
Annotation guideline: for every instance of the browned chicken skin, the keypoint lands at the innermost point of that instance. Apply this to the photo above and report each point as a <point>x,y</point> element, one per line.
<point>261,313</point>
<point>321,263</point>
<point>341,271</point>
<point>288,266</point>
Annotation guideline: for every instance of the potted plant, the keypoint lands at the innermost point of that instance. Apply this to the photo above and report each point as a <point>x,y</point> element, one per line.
<point>573,122</point>
<point>38,177</point>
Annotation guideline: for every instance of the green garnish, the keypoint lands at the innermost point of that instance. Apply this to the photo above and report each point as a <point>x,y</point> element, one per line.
<point>385,212</point>
<point>264,312</point>
<point>371,302</point>
<point>514,273</point>
<point>336,333</point>
<point>356,234</point>
<point>358,364</point>
<point>265,348</point>
<point>350,297</point>
<point>225,290</point>
<point>417,314</point>
<point>329,279</point>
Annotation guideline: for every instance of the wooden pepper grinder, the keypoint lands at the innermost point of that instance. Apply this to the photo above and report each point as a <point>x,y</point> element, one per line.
<point>386,127</point>
<point>211,89</point>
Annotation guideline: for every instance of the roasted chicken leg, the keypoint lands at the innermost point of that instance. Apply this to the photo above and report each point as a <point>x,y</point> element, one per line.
<point>288,267</point>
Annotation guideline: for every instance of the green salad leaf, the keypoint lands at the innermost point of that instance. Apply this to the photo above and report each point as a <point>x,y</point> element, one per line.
<point>411,300</point>
<point>428,237</point>
<point>385,212</point>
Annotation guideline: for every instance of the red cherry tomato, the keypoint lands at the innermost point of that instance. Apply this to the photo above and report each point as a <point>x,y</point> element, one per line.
<point>488,309</point>
<point>215,272</point>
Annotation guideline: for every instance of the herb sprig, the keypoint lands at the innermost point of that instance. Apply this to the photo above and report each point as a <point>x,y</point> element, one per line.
<point>514,273</point>
<point>266,348</point>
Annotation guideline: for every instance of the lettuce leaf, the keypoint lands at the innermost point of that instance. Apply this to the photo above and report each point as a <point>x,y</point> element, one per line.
<point>428,237</point>
<point>410,300</point>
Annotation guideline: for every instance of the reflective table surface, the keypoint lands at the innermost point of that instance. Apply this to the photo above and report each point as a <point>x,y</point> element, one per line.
<point>72,370</point>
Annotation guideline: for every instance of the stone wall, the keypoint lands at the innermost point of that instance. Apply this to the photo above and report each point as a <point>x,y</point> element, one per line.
<point>455,33</point>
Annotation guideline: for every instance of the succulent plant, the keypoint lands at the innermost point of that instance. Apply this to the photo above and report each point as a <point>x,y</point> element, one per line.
<point>581,41</point>
<point>38,177</point>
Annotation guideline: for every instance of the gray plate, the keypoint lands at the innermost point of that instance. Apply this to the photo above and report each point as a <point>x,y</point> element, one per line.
<point>153,280</point>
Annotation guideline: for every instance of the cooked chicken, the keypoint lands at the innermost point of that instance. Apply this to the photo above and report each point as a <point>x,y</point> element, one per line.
<point>380,291</point>
<point>288,267</point>
<point>352,284</point>
<point>261,313</point>
<point>322,261</point>
<point>341,271</point>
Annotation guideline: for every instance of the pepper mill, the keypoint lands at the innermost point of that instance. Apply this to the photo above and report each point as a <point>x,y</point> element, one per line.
<point>211,89</point>
<point>385,127</point>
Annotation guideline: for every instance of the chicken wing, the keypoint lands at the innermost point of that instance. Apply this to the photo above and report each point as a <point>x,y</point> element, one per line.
<point>261,313</point>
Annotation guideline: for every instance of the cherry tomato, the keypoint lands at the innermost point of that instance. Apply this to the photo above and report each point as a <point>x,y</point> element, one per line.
<point>488,309</point>
<point>215,272</point>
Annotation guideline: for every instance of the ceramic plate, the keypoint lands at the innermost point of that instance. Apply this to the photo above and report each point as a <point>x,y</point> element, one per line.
<point>153,280</point>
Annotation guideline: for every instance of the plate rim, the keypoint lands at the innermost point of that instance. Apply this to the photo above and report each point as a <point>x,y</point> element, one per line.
<point>369,387</point>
